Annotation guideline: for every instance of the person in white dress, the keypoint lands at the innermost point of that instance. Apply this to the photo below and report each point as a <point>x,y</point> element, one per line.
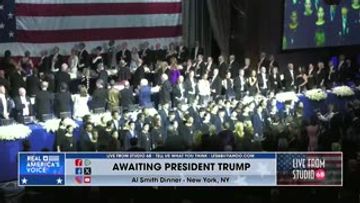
<point>73,63</point>
<point>204,90</point>
<point>81,100</point>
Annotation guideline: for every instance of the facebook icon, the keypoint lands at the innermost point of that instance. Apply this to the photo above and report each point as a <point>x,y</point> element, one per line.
<point>78,171</point>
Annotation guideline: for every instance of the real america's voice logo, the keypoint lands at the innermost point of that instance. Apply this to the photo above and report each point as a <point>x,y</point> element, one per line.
<point>82,171</point>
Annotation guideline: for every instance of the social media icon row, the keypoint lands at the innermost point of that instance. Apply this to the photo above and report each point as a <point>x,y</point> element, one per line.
<point>81,179</point>
<point>85,171</point>
<point>81,162</point>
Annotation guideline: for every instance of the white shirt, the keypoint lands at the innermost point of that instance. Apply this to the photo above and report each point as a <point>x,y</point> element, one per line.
<point>80,106</point>
<point>26,110</point>
<point>4,103</point>
<point>292,76</point>
<point>204,87</point>
<point>260,116</point>
<point>340,64</point>
<point>181,87</point>
<point>242,82</point>
<point>80,58</point>
<point>73,64</point>
<point>123,53</point>
<point>116,124</point>
<point>180,51</point>
<point>53,62</point>
<point>208,67</point>
<point>263,75</point>
<point>193,85</point>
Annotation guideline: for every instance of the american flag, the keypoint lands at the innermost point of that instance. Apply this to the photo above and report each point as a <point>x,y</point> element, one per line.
<point>333,168</point>
<point>37,25</point>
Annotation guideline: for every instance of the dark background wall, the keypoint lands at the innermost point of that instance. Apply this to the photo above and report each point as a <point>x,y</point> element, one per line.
<point>257,26</point>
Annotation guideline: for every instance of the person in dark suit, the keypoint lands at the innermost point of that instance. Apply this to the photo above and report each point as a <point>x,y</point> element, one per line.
<point>258,123</point>
<point>105,134</point>
<point>234,67</point>
<point>131,133</point>
<point>97,58</point>
<point>210,66</point>
<point>44,101</point>
<point>200,67</point>
<point>99,96</point>
<point>228,86</point>
<point>219,120</point>
<point>3,81</point>
<point>144,138</point>
<point>62,77</point>
<point>223,67</point>
<point>33,83</point>
<point>164,115</point>
<point>159,53</point>
<point>186,130</point>
<point>156,135</point>
<point>88,138</point>
<point>84,58</point>
<point>110,55</point>
<point>23,106</point>
<point>124,54</point>
<point>67,142</point>
<point>196,50</point>
<point>216,84</point>
<point>165,90</point>
<point>341,69</point>
<point>6,104</point>
<point>138,75</point>
<point>63,101</point>
<point>45,62</point>
<point>182,53</point>
<point>331,75</point>
<point>102,74</point>
<point>126,95</point>
<point>272,63</point>
<point>16,81</point>
<point>320,75</point>
<point>289,78</point>
<point>190,87</point>
<point>115,144</point>
<point>124,72</point>
<point>56,60</point>
<point>50,79</point>
<point>263,81</point>
<point>240,85</point>
<point>135,145</point>
<point>275,80</point>
<point>144,53</point>
<point>115,121</point>
<point>247,67</point>
<point>263,62</point>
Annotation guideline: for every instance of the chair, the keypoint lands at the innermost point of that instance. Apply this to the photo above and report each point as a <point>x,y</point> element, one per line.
<point>99,110</point>
<point>65,115</point>
<point>46,117</point>
<point>5,122</point>
<point>28,119</point>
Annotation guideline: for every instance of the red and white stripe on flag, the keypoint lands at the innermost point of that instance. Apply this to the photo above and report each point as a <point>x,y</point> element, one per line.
<point>44,24</point>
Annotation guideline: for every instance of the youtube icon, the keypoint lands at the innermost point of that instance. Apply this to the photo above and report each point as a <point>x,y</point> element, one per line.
<point>87,179</point>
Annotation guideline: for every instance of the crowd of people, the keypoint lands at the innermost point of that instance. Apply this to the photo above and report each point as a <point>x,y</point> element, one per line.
<point>200,104</point>
<point>192,97</point>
